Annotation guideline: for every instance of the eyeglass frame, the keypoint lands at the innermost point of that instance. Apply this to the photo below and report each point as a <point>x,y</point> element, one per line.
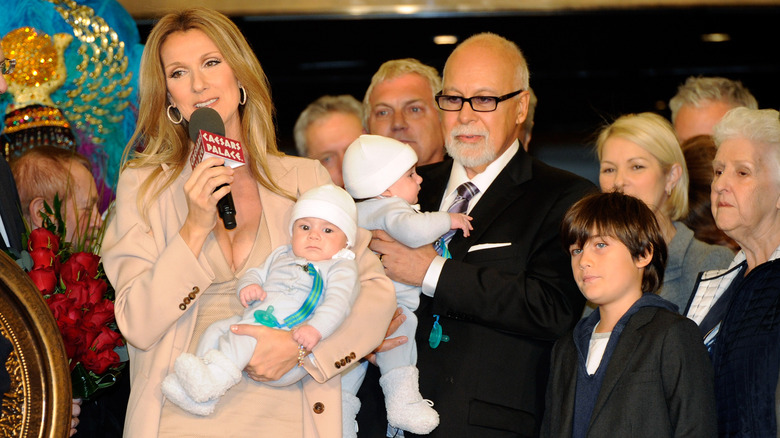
<point>463,100</point>
<point>10,63</point>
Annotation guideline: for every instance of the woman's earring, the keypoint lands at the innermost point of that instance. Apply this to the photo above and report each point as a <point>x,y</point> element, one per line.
<point>168,113</point>
<point>242,96</point>
<point>669,192</point>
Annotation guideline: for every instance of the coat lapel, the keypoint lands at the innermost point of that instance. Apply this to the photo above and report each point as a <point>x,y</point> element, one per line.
<point>621,357</point>
<point>287,179</point>
<point>502,194</point>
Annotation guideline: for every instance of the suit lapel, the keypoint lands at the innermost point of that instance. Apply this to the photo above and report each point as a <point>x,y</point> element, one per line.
<point>287,179</point>
<point>501,194</point>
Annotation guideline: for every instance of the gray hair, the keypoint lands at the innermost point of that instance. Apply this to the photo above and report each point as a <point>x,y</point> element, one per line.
<point>697,90</point>
<point>320,108</point>
<point>395,68</point>
<point>754,125</point>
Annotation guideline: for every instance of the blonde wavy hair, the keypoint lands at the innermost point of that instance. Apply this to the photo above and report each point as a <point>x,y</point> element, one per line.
<point>654,134</point>
<point>157,141</point>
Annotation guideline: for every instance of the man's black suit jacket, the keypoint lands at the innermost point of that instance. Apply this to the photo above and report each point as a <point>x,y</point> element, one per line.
<point>9,208</point>
<point>504,298</point>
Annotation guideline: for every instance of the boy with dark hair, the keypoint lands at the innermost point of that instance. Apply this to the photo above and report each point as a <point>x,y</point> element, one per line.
<point>635,367</point>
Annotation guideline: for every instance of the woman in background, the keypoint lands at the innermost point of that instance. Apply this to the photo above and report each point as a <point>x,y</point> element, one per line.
<point>699,152</point>
<point>639,155</point>
<point>738,309</point>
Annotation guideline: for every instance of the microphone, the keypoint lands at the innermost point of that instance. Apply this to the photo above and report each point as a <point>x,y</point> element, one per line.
<point>207,131</point>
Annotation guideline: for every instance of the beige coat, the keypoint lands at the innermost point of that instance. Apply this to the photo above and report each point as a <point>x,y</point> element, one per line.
<point>152,269</point>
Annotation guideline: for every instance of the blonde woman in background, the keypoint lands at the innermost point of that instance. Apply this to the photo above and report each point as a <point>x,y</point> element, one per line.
<point>639,155</point>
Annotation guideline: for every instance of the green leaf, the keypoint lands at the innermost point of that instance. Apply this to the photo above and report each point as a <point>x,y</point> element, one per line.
<point>84,386</point>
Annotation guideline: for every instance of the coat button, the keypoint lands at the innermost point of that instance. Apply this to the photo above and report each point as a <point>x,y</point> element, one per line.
<point>338,365</point>
<point>348,359</point>
<point>183,306</point>
<point>319,408</point>
<point>196,289</point>
<point>343,362</point>
<point>352,355</point>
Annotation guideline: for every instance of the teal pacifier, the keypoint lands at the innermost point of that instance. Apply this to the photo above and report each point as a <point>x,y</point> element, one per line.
<point>437,336</point>
<point>266,317</point>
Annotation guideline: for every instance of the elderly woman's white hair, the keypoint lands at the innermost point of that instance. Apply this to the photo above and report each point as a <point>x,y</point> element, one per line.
<point>757,126</point>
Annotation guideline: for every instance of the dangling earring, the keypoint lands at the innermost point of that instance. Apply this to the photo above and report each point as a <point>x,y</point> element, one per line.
<point>168,113</point>
<point>242,96</point>
<point>668,192</point>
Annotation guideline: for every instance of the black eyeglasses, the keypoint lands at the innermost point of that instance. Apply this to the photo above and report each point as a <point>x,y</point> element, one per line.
<point>8,66</point>
<point>483,104</point>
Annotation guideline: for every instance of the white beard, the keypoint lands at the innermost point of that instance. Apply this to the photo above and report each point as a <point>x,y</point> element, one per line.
<point>470,154</point>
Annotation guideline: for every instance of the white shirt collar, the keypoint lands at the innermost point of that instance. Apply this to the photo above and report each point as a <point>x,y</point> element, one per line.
<point>482,180</point>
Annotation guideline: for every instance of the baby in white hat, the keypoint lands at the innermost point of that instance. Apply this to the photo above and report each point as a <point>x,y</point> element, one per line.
<point>380,173</point>
<point>301,287</point>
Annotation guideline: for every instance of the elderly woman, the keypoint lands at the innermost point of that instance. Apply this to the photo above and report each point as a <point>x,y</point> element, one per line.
<point>738,309</point>
<point>640,156</point>
<point>175,266</point>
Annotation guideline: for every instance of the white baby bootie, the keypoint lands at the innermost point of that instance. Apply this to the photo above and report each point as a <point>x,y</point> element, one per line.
<point>207,378</point>
<point>406,409</point>
<point>172,389</point>
<point>350,405</point>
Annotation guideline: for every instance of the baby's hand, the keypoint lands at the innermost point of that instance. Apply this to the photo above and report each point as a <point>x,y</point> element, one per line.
<point>253,292</point>
<point>307,336</point>
<point>461,221</point>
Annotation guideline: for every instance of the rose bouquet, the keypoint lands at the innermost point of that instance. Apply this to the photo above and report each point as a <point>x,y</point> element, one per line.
<point>81,299</point>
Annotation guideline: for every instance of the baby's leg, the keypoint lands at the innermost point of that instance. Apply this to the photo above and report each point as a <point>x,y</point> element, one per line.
<point>405,354</point>
<point>406,408</point>
<point>350,404</point>
<point>210,338</point>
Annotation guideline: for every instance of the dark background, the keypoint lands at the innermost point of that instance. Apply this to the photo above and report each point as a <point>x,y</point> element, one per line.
<point>587,68</point>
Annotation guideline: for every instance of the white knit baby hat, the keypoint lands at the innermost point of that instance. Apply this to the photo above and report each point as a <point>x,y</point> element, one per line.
<point>329,203</point>
<point>372,163</point>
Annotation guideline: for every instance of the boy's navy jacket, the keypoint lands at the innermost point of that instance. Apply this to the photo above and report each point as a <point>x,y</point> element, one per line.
<point>655,378</point>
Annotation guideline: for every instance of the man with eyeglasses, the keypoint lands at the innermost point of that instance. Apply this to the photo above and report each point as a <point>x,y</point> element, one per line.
<point>507,293</point>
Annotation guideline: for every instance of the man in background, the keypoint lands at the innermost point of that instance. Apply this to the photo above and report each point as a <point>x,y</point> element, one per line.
<point>326,128</point>
<point>45,171</point>
<point>701,102</point>
<point>399,104</point>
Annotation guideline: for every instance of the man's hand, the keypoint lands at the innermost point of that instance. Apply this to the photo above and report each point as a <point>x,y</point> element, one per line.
<point>389,344</point>
<point>402,264</point>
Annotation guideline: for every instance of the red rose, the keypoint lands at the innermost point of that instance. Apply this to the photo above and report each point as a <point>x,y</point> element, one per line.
<point>78,292</point>
<point>63,308</point>
<point>99,315</point>
<point>88,261</point>
<point>107,339</point>
<point>99,362</point>
<point>43,258</point>
<point>44,279</point>
<point>43,238</point>
<point>72,271</point>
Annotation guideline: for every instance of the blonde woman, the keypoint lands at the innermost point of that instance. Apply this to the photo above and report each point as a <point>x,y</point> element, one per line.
<point>175,266</point>
<point>639,155</point>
